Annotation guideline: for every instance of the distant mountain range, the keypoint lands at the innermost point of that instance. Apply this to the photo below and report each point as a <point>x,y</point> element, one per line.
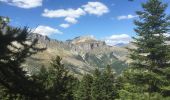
<point>80,55</point>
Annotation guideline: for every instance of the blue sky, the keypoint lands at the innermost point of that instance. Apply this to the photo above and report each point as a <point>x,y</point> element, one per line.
<point>110,20</point>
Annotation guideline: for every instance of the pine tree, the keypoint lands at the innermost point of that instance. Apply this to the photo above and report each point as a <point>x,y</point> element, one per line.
<point>84,89</point>
<point>60,78</point>
<point>108,86</point>
<point>57,82</point>
<point>103,86</point>
<point>96,85</point>
<point>150,67</point>
<point>14,82</point>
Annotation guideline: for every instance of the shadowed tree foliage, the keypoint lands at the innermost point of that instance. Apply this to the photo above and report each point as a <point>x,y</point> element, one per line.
<point>57,81</point>
<point>98,86</point>
<point>14,48</point>
<point>103,86</point>
<point>84,89</point>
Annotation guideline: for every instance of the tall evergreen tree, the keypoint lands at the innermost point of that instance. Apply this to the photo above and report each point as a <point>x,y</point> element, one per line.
<point>150,67</point>
<point>96,85</point>
<point>109,89</point>
<point>84,89</point>
<point>103,86</point>
<point>57,81</point>
<point>14,48</point>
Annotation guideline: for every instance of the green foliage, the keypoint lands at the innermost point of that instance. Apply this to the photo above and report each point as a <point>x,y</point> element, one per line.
<point>148,72</point>
<point>14,81</point>
<point>98,86</point>
<point>103,85</point>
<point>84,89</point>
<point>57,82</point>
<point>126,95</point>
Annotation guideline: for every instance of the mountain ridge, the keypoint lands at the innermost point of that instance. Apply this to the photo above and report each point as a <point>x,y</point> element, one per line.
<point>80,55</point>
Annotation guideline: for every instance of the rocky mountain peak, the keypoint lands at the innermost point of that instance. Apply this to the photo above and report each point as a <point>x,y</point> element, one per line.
<point>83,39</point>
<point>78,44</point>
<point>85,43</point>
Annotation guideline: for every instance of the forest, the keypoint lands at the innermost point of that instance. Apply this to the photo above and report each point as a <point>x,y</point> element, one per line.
<point>146,78</point>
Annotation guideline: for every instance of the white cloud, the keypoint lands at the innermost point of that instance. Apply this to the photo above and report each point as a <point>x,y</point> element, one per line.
<point>70,15</point>
<point>96,8</point>
<point>126,17</point>
<point>75,13</point>
<point>64,25</point>
<point>24,3</point>
<point>115,39</point>
<point>71,20</point>
<point>46,30</point>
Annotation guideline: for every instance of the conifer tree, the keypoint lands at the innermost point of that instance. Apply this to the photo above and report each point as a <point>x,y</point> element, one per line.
<point>108,86</point>
<point>57,81</point>
<point>150,67</point>
<point>14,48</point>
<point>103,86</point>
<point>84,89</point>
<point>96,85</point>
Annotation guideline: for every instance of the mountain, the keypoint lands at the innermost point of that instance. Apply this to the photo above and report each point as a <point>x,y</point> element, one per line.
<point>80,55</point>
<point>121,44</point>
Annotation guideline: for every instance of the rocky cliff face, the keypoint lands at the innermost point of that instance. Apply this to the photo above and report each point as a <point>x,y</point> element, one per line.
<point>80,55</point>
<point>47,42</point>
<point>85,43</point>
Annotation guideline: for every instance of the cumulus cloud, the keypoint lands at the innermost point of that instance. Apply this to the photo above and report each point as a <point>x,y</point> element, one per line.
<point>46,30</point>
<point>75,13</point>
<point>24,3</point>
<point>71,20</point>
<point>64,25</point>
<point>96,8</point>
<point>71,15</point>
<point>126,17</point>
<point>116,39</point>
